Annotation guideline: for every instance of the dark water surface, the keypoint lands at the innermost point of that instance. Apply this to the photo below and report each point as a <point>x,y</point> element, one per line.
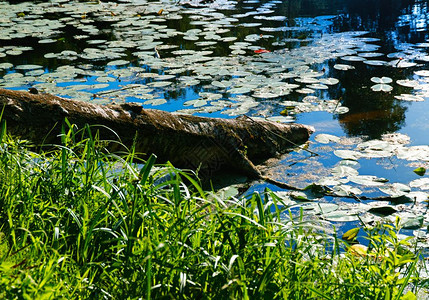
<point>228,58</point>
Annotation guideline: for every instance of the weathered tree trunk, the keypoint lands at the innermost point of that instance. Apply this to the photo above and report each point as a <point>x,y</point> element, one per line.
<point>208,144</point>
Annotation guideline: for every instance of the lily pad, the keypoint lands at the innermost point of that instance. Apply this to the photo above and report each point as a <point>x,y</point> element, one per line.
<point>305,91</point>
<point>368,180</point>
<point>346,190</point>
<point>196,102</point>
<point>409,97</point>
<point>341,216</point>
<point>282,119</point>
<point>304,196</point>
<point>321,207</point>
<point>384,80</point>
<point>221,84</point>
<point>350,235</point>
<point>396,189</point>
<point>413,153</point>
<point>353,58</point>
<point>47,41</point>
<point>375,62</point>
<point>421,183</point>
<point>343,67</point>
<point>159,84</point>
<point>326,138</point>
<point>317,86</point>
<point>240,90</point>
<point>382,87</point>
<point>154,102</point>
<point>411,222</point>
<point>343,171</point>
<point>422,73</point>
<point>408,83</point>
<point>402,64</point>
<point>28,67</point>
<point>383,210</point>
<point>5,66</point>
<point>118,62</point>
<point>420,171</point>
<point>329,81</point>
<point>370,54</point>
<point>348,154</point>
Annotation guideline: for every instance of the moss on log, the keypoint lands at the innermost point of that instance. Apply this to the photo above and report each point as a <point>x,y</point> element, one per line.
<point>208,144</point>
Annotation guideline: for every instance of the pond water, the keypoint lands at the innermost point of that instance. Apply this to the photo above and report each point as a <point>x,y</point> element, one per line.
<point>358,71</point>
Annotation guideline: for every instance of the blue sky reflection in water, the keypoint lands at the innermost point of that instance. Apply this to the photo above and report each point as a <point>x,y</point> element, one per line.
<point>356,70</point>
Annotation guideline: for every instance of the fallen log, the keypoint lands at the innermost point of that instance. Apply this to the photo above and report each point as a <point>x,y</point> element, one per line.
<point>207,144</point>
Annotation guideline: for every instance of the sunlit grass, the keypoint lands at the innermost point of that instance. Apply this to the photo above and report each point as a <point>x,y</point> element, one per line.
<point>80,222</point>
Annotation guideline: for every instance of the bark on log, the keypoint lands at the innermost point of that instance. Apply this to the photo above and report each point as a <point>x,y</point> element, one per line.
<point>208,144</point>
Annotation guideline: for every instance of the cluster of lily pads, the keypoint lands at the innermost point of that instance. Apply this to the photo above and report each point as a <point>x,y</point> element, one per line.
<point>148,56</point>
<point>371,198</point>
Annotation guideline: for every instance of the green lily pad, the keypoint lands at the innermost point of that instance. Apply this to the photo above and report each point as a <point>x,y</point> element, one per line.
<point>420,171</point>
<point>350,235</point>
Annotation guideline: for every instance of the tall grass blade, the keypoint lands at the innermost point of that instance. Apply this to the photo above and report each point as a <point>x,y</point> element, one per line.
<point>145,171</point>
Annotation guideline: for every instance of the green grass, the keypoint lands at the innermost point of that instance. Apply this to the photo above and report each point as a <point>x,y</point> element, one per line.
<point>79,222</point>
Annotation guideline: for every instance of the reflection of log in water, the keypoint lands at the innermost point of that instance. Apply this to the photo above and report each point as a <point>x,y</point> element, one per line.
<point>210,144</point>
<point>365,116</point>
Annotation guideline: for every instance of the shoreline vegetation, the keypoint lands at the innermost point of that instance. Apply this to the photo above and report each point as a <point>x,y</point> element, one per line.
<point>79,222</point>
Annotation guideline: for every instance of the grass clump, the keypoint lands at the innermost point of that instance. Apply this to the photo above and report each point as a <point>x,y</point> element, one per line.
<point>82,223</point>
